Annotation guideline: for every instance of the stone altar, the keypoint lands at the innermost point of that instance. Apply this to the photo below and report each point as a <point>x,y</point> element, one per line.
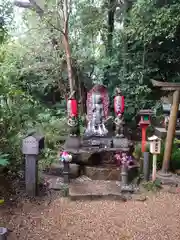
<point>97,140</point>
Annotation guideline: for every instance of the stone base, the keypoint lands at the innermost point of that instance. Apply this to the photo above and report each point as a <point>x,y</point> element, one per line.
<point>93,190</point>
<point>106,172</point>
<point>97,190</point>
<point>164,174</point>
<point>168,179</point>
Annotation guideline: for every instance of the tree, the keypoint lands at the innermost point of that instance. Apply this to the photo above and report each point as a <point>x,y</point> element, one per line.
<point>6,17</point>
<point>63,11</point>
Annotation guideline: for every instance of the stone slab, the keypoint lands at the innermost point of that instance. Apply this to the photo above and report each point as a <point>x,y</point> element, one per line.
<point>162,132</point>
<point>94,190</point>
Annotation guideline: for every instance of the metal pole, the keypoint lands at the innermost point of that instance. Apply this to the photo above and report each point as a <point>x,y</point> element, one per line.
<point>3,233</point>
<point>146,169</point>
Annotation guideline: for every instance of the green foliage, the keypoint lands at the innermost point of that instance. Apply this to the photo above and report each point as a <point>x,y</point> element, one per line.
<point>33,73</point>
<point>4,161</point>
<point>153,186</point>
<point>175,157</point>
<point>6,15</point>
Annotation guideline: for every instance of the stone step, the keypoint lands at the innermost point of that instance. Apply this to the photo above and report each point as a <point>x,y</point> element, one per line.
<point>56,169</point>
<point>94,190</point>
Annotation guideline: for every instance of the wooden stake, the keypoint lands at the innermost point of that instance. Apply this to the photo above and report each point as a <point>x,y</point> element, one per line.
<point>171,131</point>
<point>154,167</point>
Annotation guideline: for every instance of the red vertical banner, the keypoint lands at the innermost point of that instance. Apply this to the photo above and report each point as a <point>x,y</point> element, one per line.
<point>119,104</point>
<point>122,104</point>
<point>72,107</point>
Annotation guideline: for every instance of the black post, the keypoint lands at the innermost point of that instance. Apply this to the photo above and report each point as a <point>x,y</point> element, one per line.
<point>146,166</point>
<point>66,172</point>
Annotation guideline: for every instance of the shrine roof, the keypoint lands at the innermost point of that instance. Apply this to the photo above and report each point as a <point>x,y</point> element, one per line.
<point>166,86</point>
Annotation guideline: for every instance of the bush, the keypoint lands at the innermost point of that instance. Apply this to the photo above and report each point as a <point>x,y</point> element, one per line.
<point>175,156</point>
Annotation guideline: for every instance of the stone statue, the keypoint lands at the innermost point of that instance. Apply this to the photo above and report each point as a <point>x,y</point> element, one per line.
<point>118,102</point>
<point>119,122</point>
<point>73,124</point>
<point>96,126</point>
<point>119,112</point>
<point>72,112</point>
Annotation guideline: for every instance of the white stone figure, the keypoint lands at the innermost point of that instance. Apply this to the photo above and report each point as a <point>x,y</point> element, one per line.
<point>96,125</point>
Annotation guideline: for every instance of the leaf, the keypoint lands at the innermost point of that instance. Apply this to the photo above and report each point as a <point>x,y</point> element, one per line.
<point>1,201</point>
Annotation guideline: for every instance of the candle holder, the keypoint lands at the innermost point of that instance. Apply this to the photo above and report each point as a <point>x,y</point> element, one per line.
<point>66,159</point>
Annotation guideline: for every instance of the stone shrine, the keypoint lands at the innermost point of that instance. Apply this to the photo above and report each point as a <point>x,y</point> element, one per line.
<point>98,141</point>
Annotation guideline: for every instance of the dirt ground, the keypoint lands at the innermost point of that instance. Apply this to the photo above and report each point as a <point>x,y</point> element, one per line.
<point>157,218</point>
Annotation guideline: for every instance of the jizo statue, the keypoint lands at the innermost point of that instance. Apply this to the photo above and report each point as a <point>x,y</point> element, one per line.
<point>96,112</point>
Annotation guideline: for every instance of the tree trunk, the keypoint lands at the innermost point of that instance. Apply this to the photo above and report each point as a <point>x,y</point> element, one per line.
<point>171,131</point>
<point>109,45</point>
<point>68,59</point>
<point>111,13</point>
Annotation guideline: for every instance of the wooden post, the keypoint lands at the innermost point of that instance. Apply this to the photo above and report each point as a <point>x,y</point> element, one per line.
<point>154,167</point>
<point>171,132</point>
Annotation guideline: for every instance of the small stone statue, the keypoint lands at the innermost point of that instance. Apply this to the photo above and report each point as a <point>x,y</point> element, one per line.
<point>73,123</point>
<point>119,121</point>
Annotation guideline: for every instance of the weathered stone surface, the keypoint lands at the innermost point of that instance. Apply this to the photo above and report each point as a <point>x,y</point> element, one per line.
<point>106,172</point>
<point>170,180</point>
<point>56,183</point>
<point>95,190</point>
<point>81,179</point>
<point>139,197</point>
<point>171,189</point>
<point>56,169</point>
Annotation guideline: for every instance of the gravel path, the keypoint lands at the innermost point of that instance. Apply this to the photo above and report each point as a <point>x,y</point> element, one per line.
<point>155,219</point>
